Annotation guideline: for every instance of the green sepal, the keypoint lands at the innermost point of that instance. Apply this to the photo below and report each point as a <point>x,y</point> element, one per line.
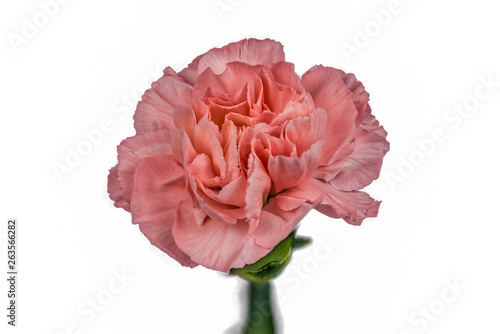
<point>271,265</point>
<point>300,242</point>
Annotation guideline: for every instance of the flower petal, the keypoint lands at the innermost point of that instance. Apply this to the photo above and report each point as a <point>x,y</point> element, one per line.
<point>299,109</point>
<point>282,213</point>
<point>251,51</point>
<point>214,244</point>
<point>185,119</point>
<point>359,96</point>
<point>352,206</point>
<point>230,149</point>
<point>284,73</point>
<point>207,200</point>
<point>287,172</point>
<point>159,188</point>
<point>363,165</point>
<point>134,149</point>
<point>206,141</point>
<point>115,190</point>
<point>305,131</point>
<point>276,95</point>
<point>326,86</point>
<point>259,185</point>
<point>233,193</point>
<point>229,87</point>
<point>156,109</point>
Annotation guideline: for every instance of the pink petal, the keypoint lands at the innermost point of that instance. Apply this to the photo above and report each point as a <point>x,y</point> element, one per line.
<point>283,213</point>
<point>251,51</point>
<point>208,202</point>
<point>327,88</point>
<point>202,167</point>
<point>213,244</point>
<point>206,141</point>
<point>218,113</point>
<point>284,73</point>
<point>255,97</point>
<point>369,122</point>
<point>299,109</point>
<point>352,206</point>
<point>259,185</point>
<point>305,131</point>
<point>159,188</point>
<point>277,96</point>
<point>230,85</point>
<point>201,110</point>
<point>359,96</point>
<point>325,171</point>
<point>190,73</point>
<point>233,193</point>
<point>287,172</point>
<point>182,147</point>
<point>185,119</point>
<point>115,190</point>
<point>134,149</point>
<point>308,191</point>
<point>156,109</point>
<point>363,165</point>
<point>230,150</point>
<point>248,138</point>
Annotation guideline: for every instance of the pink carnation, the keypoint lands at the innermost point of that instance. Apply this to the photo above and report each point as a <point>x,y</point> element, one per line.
<point>234,150</point>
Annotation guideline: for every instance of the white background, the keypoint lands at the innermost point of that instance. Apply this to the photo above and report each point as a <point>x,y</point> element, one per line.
<point>438,222</point>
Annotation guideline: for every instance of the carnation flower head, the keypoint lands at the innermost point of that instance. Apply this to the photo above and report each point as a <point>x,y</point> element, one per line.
<point>234,150</point>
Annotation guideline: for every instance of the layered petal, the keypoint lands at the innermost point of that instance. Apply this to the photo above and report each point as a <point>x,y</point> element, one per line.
<point>115,190</point>
<point>134,149</point>
<point>158,189</point>
<point>327,88</point>
<point>258,187</point>
<point>287,172</point>
<point>230,85</point>
<point>250,51</point>
<point>359,96</point>
<point>212,244</point>
<point>212,202</point>
<point>282,213</point>
<point>363,165</point>
<point>284,73</point>
<point>306,131</point>
<point>230,150</point>
<point>352,206</point>
<point>277,96</point>
<point>156,109</point>
<point>205,141</point>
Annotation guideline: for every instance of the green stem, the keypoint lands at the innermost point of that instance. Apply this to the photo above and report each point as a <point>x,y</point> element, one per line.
<point>260,309</point>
